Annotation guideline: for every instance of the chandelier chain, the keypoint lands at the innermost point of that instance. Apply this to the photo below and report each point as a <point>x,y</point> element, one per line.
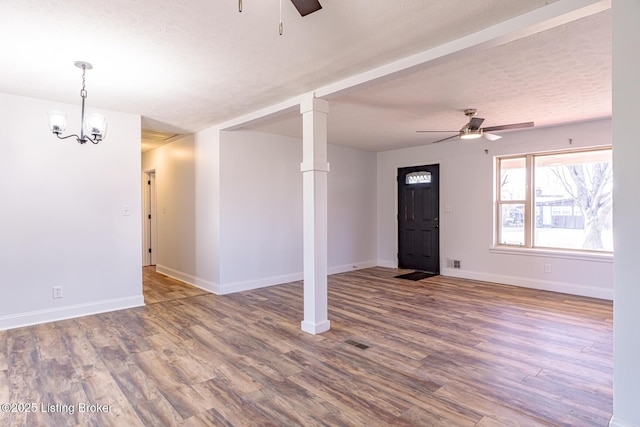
<point>83,92</point>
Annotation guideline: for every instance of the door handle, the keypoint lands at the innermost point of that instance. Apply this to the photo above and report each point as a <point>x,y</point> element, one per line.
<point>436,226</point>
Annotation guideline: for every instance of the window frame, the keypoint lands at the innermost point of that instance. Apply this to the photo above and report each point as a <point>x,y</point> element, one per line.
<point>529,245</point>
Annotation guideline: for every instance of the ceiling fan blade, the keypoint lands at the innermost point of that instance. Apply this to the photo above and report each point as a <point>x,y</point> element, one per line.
<point>475,123</point>
<point>445,139</point>
<point>306,7</point>
<point>508,127</point>
<point>437,131</point>
<point>490,136</point>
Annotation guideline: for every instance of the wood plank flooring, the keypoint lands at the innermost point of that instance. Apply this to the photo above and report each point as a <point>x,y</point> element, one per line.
<point>441,352</point>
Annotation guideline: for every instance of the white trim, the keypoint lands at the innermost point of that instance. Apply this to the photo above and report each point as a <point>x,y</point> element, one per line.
<point>315,328</point>
<point>620,423</point>
<point>386,263</point>
<point>249,285</point>
<point>525,282</point>
<point>69,312</point>
<point>352,267</point>
<point>550,253</point>
<point>188,279</point>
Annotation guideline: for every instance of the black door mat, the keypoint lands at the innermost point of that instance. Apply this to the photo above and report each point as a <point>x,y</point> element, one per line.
<point>416,275</point>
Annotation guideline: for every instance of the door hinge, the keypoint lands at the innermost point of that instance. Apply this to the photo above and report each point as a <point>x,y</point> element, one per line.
<point>149,250</point>
<point>149,182</point>
<point>149,216</point>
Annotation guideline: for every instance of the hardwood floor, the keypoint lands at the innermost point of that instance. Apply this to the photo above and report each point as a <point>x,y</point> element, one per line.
<point>160,288</point>
<point>441,352</point>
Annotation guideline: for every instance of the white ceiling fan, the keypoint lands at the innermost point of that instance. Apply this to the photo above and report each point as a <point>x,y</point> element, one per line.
<point>472,129</point>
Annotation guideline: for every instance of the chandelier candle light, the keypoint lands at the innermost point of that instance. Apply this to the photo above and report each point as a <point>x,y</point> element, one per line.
<point>93,127</point>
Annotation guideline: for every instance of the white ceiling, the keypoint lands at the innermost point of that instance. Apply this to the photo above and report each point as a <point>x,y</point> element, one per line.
<point>184,66</point>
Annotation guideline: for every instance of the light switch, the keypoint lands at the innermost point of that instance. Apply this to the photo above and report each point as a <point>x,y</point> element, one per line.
<point>125,210</point>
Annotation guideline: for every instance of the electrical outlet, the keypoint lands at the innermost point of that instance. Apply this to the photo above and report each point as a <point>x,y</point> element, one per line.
<point>547,268</point>
<point>456,263</point>
<point>57,292</point>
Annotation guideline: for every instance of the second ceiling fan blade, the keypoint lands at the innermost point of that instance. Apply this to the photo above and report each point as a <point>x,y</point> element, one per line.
<point>475,123</point>
<point>306,7</point>
<point>445,139</point>
<point>508,127</point>
<point>490,136</point>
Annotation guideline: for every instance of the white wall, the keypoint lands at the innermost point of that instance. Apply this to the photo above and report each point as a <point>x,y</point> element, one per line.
<point>352,196</point>
<point>61,219</point>
<point>626,208</point>
<point>261,210</point>
<point>466,233</point>
<point>174,166</point>
<point>188,207</point>
<point>207,208</point>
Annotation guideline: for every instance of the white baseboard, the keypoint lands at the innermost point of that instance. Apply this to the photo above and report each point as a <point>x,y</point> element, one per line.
<point>387,264</point>
<point>233,287</point>
<point>545,285</point>
<point>288,278</point>
<point>68,312</point>
<point>248,285</point>
<point>351,267</point>
<point>620,423</point>
<point>315,328</point>
<point>188,278</point>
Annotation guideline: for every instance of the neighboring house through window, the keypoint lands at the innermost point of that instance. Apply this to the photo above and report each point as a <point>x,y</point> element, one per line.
<point>558,200</point>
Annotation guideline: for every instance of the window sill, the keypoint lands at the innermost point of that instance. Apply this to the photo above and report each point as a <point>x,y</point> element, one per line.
<point>550,253</point>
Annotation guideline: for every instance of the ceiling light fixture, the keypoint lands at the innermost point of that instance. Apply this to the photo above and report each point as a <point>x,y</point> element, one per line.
<point>92,128</point>
<point>470,134</point>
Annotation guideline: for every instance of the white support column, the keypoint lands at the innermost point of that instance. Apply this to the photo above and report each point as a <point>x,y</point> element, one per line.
<point>314,169</point>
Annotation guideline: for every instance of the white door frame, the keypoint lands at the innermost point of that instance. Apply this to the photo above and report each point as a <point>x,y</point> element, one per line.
<point>149,218</point>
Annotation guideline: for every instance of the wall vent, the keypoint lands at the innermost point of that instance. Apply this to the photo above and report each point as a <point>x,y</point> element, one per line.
<point>453,263</point>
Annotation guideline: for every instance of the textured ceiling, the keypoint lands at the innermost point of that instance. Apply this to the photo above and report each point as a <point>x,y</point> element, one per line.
<point>557,76</point>
<point>184,66</point>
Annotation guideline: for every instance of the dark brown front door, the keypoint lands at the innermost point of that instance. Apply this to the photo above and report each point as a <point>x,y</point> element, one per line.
<point>418,222</point>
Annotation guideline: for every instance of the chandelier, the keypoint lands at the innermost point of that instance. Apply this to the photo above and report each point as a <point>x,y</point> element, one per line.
<point>93,127</point>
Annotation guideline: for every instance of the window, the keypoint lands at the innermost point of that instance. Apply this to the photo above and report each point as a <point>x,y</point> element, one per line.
<point>421,177</point>
<point>557,200</point>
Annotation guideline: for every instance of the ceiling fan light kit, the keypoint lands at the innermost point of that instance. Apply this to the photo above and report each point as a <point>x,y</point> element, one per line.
<point>470,134</point>
<point>472,129</point>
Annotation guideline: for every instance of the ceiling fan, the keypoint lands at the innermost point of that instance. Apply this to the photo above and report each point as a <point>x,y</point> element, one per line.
<point>472,130</point>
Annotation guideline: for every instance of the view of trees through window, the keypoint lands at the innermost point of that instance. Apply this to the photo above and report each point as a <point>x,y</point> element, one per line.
<point>558,200</point>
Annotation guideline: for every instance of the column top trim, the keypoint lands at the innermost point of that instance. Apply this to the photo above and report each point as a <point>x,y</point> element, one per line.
<point>316,166</point>
<point>314,104</point>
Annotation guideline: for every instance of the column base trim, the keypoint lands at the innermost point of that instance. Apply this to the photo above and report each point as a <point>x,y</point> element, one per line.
<point>315,328</point>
